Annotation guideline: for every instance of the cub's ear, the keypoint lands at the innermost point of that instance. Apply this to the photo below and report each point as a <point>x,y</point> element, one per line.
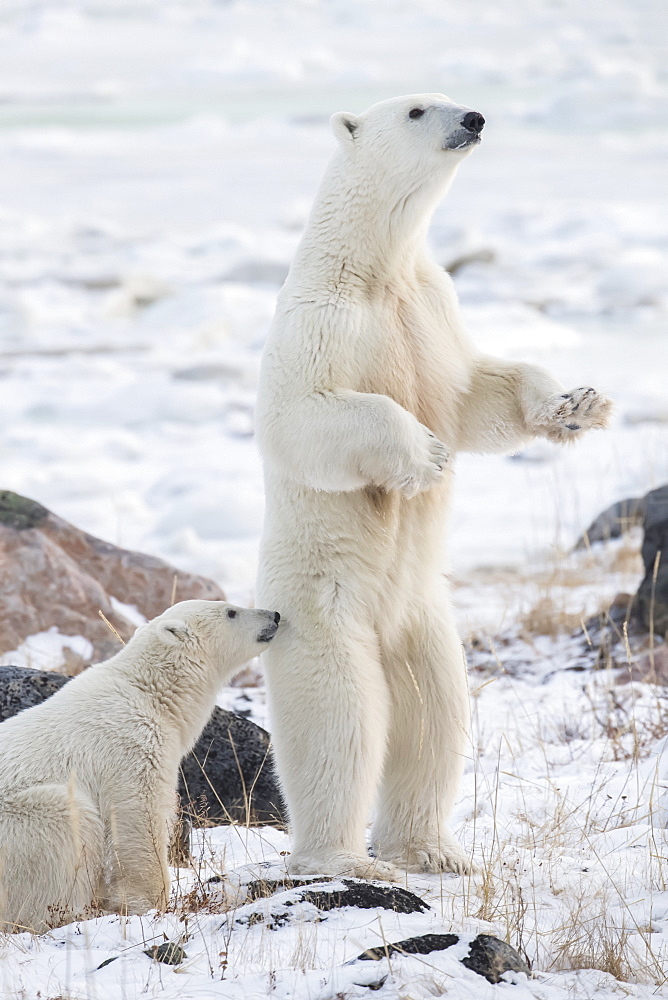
<point>175,631</point>
<point>344,126</point>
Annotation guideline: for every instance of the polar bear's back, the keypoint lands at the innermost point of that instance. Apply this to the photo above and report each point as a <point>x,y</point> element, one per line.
<point>49,741</point>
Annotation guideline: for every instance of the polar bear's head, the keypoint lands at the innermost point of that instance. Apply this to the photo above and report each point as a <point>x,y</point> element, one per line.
<point>213,631</point>
<point>414,137</point>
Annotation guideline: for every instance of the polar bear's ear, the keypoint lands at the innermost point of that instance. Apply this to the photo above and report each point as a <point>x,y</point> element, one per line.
<point>344,126</point>
<point>175,631</point>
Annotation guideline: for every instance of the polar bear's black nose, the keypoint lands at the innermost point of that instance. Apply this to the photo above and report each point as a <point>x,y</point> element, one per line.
<point>277,617</point>
<point>473,121</point>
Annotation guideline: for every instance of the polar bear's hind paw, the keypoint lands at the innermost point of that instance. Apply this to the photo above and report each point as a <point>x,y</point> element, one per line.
<point>427,859</point>
<point>345,866</point>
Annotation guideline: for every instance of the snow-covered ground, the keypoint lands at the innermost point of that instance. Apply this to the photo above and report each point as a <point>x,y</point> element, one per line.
<point>560,811</point>
<point>158,159</point>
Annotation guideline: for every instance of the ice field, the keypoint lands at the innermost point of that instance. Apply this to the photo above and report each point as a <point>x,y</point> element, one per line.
<point>157,163</point>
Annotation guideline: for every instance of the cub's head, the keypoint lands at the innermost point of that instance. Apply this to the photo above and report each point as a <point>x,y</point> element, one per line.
<point>213,631</point>
<point>418,135</point>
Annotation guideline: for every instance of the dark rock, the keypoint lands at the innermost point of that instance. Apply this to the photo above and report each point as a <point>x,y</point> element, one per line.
<point>21,687</point>
<point>650,668</point>
<point>651,600</point>
<point>168,953</point>
<point>422,945</point>
<point>608,634</point>
<point>490,957</point>
<point>613,522</point>
<point>107,961</point>
<point>378,985</point>
<point>366,896</point>
<point>53,574</point>
<point>229,777</point>
<point>264,888</point>
<point>358,892</point>
<point>272,921</point>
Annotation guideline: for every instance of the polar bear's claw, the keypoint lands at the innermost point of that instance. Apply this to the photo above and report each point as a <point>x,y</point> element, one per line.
<point>432,457</point>
<point>563,417</point>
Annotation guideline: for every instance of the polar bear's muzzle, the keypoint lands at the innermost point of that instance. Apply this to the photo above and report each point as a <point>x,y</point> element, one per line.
<point>468,134</point>
<point>269,631</point>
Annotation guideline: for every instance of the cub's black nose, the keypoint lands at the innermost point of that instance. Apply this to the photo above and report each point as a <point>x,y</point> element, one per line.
<point>473,121</point>
<point>277,617</point>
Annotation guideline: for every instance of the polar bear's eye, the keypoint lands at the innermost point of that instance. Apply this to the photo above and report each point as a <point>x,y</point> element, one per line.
<point>416,113</point>
<point>231,613</point>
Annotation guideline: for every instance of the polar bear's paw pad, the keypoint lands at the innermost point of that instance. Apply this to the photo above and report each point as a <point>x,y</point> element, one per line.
<point>565,416</point>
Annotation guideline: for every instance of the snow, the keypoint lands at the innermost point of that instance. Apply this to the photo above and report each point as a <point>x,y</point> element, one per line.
<point>557,819</point>
<point>159,160</point>
<point>49,650</point>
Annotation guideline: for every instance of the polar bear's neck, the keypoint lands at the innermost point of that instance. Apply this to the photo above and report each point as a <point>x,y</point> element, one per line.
<point>180,688</point>
<point>366,227</point>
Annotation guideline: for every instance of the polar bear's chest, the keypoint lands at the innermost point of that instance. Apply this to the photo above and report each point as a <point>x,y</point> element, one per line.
<point>409,353</point>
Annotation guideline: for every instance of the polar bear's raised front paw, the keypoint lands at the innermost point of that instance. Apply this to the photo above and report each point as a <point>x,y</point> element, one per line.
<point>430,456</point>
<point>565,416</point>
<point>344,865</point>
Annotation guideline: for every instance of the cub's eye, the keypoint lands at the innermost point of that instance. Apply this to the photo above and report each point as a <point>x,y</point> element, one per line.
<point>231,613</point>
<point>415,113</point>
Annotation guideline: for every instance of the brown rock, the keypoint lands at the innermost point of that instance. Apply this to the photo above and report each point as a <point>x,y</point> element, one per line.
<point>53,574</point>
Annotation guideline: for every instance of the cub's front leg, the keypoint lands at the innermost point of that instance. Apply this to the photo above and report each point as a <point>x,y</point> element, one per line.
<point>138,875</point>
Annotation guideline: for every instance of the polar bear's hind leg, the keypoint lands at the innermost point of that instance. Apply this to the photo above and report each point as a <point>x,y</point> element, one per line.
<point>330,706</point>
<point>51,845</point>
<point>429,742</point>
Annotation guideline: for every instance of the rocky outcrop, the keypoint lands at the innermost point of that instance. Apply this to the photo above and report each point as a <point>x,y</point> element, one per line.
<point>365,895</point>
<point>649,607</point>
<point>649,668</point>
<point>54,575</point>
<point>488,956</point>
<point>651,600</point>
<point>613,522</point>
<point>21,687</point>
<point>228,777</point>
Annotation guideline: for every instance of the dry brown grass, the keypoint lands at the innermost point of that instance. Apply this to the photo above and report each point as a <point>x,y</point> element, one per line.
<point>548,617</point>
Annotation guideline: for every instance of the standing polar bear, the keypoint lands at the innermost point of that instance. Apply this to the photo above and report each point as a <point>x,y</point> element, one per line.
<point>369,386</point>
<point>88,778</point>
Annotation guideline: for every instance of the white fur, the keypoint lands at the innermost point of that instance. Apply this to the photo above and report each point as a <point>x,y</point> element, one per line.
<point>368,381</point>
<point>88,778</point>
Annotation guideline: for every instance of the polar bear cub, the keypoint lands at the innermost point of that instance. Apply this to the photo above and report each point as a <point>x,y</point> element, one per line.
<point>88,778</point>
